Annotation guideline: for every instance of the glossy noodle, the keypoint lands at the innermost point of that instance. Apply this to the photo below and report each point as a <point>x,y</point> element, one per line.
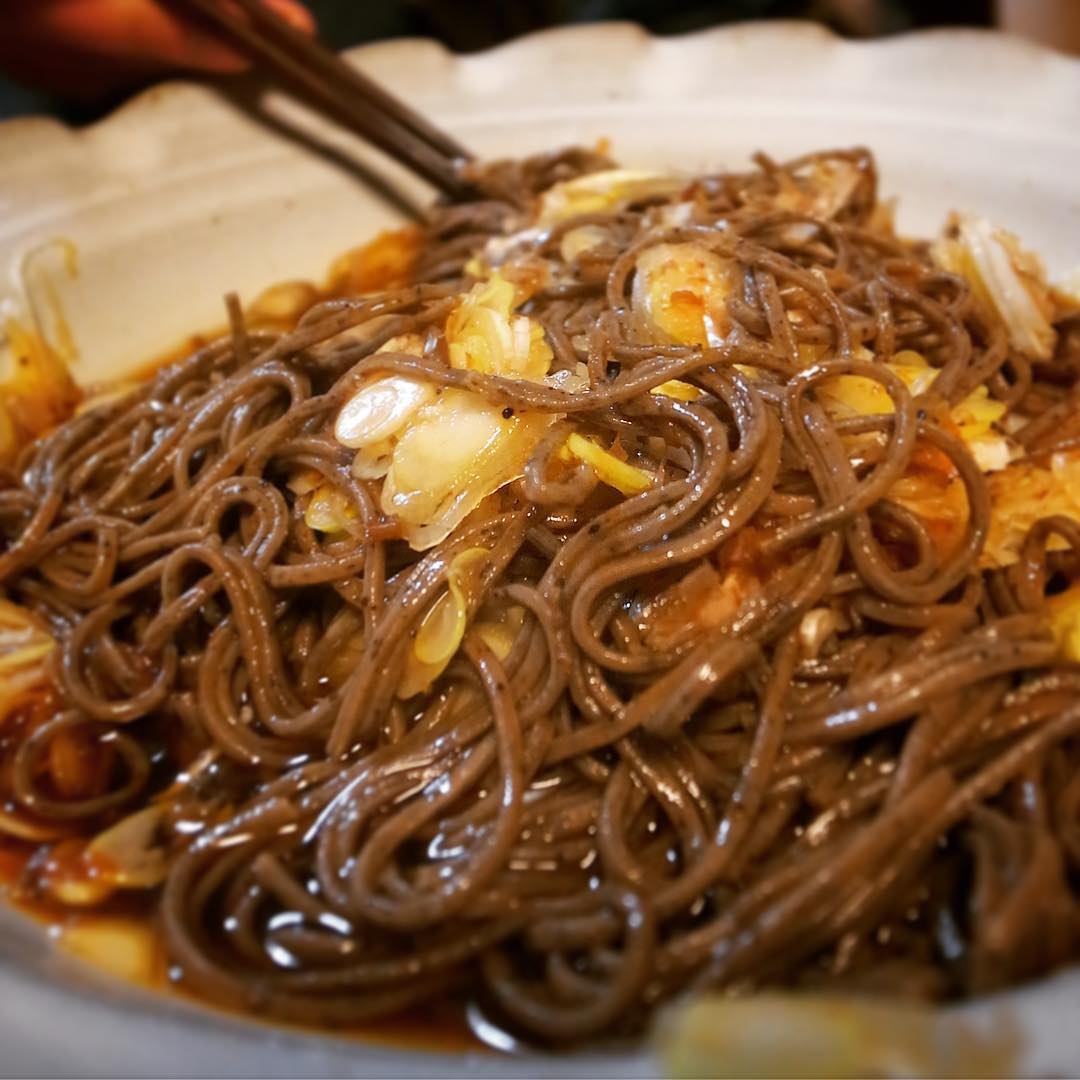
<point>643,598</point>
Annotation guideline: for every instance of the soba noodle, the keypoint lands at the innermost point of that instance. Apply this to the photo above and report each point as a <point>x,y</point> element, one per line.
<point>752,725</point>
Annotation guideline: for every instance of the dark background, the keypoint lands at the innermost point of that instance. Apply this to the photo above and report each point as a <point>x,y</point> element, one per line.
<point>466,27</point>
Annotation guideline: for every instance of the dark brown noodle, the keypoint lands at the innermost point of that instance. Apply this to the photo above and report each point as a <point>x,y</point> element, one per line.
<point>608,815</point>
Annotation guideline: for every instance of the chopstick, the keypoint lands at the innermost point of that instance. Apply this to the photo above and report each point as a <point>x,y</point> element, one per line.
<point>315,73</point>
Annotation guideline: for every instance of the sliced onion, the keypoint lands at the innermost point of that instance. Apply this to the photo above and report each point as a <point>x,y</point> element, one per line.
<point>304,481</point>
<point>681,291</point>
<point>1064,612</point>
<point>816,627</point>
<point>443,627</point>
<point>328,511</point>
<point>441,631</point>
<point>678,390</point>
<point>440,634</point>
<point>483,333</point>
<point>571,381</point>
<point>459,450</point>
<point>24,646</point>
<point>607,189</point>
<point>123,947</point>
<point>127,855</point>
<point>483,341</point>
<point>284,303</point>
<point>373,462</point>
<point>626,478</point>
<point>577,241</point>
<point>37,832</point>
<point>24,656</point>
<point>796,1035</point>
<point>84,891</point>
<point>500,631</point>
<point>132,851</point>
<point>1008,279</point>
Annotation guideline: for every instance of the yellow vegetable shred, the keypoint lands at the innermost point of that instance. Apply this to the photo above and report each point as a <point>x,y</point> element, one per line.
<point>677,390</point>
<point>974,417</point>
<point>628,479</point>
<point>442,629</point>
<point>483,334</point>
<point>328,511</point>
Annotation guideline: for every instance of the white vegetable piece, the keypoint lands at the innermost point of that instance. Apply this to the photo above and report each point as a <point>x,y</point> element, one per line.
<point>381,409</point>
<point>1008,278</point>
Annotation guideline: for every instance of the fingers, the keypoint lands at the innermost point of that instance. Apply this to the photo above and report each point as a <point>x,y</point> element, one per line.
<point>148,31</point>
<point>294,13</point>
<point>115,41</point>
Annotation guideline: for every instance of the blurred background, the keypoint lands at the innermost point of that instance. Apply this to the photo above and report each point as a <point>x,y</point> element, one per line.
<point>479,24</point>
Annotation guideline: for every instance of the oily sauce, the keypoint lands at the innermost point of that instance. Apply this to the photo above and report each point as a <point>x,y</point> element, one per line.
<point>121,935</point>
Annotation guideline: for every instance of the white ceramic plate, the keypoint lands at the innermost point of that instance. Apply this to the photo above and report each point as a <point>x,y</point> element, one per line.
<point>180,197</point>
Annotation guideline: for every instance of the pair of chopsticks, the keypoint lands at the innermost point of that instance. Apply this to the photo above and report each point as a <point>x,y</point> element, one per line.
<point>318,75</point>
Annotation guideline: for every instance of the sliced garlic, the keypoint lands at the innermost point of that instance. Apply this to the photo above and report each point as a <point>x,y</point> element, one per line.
<point>381,409</point>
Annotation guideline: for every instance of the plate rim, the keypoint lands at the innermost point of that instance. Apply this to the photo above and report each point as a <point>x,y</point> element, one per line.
<point>1034,55</point>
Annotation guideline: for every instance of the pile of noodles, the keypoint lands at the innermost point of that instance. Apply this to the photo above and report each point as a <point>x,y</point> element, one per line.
<point>867,776</point>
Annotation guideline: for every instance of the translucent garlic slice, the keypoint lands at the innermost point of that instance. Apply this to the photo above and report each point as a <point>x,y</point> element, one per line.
<point>380,410</point>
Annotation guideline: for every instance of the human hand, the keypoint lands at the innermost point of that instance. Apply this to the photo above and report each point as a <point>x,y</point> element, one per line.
<point>84,49</point>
